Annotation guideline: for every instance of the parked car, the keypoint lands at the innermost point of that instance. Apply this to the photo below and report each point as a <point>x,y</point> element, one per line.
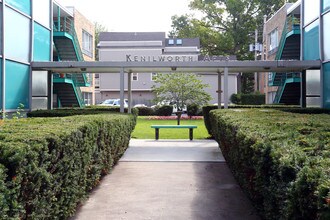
<point>114,102</point>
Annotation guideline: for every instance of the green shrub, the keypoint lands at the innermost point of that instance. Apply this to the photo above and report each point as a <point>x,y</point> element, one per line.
<point>146,111</point>
<point>193,110</point>
<point>50,164</point>
<point>164,110</point>
<point>64,112</point>
<point>248,99</point>
<point>280,159</point>
<point>206,114</point>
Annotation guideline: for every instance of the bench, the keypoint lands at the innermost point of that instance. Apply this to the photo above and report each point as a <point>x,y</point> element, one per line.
<point>190,127</point>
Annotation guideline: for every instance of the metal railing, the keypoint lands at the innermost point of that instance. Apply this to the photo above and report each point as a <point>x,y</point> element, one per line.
<point>283,82</point>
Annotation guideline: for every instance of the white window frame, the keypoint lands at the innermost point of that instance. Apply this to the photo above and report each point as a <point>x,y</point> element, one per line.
<point>87,43</point>
<point>179,41</point>
<point>135,77</point>
<point>273,39</point>
<point>170,41</point>
<point>153,76</point>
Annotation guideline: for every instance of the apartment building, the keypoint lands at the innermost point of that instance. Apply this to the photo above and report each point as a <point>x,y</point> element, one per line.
<point>38,30</point>
<point>149,47</point>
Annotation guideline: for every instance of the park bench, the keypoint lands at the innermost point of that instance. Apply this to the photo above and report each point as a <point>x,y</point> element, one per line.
<point>190,127</point>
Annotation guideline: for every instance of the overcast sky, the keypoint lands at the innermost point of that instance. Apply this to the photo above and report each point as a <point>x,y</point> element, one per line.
<point>131,15</point>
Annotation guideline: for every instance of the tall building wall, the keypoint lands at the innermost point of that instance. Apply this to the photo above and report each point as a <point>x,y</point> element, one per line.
<point>24,40</point>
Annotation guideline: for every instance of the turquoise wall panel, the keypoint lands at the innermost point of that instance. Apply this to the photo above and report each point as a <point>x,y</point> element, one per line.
<point>21,5</point>
<point>326,36</point>
<point>41,50</point>
<point>0,83</point>
<point>17,85</point>
<point>311,41</point>
<point>326,5</point>
<point>17,36</point>
<point>326,85</point>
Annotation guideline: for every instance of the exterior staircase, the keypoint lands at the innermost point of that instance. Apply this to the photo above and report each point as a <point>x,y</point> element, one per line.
<point>67,86</point>
<point>289,49</point>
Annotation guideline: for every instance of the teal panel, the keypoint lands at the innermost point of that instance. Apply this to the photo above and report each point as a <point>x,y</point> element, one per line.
<point>41,50</point>
<point>17,85</point>
<point>326,85</point>
<point>326,5</point>
<point>21,5</point>
<point>311,41</point>
<point>0,83</point>
<point>326,36</point>
<point>17,36</point>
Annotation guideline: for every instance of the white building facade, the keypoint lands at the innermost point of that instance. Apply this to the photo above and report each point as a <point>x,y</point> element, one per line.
<point>150,47</point>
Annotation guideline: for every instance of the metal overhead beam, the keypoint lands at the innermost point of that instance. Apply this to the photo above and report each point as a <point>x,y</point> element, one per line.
<point>197,66</point>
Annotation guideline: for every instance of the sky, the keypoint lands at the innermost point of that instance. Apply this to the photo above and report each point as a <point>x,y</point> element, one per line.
<point>131,15</point>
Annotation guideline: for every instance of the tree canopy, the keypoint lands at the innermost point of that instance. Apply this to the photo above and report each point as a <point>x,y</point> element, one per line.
<point>226,27</point>
<point>180,89</point>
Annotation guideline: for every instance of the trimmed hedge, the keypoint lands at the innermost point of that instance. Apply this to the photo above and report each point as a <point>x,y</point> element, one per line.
<point>48,165</point>
<point>164,110</point>
<point>248,99</point>
<point>146,111</point>
<point>282,160</point>
<point>90,110</point>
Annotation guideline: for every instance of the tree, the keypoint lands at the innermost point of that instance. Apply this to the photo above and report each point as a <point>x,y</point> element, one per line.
<point>226,27</point>
<point>180,89</point>
<point>98,29</point>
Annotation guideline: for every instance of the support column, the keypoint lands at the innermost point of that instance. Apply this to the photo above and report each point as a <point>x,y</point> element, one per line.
<point>50,90</point>
<point>129,81</point>
<point>303,89</point>
<point>122,85</point>
<point>219,90</point>
<point>226,88</point>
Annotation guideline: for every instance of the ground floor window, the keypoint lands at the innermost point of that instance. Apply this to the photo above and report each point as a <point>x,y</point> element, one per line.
<point>88,98</point>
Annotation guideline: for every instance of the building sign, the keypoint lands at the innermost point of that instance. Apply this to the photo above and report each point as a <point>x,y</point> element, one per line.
<point>177,58</point>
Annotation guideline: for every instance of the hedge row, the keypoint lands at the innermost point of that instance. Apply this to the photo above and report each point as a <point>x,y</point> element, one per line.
<point>64,112</point>
<point>48,165</point>
<point>287,108</point>
<point>248,99</point>
<point>282,160</point>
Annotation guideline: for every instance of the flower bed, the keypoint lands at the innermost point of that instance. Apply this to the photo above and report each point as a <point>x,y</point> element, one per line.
<point>174,118</point>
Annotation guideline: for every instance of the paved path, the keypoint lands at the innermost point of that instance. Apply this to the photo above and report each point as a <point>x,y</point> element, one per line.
<point>168,180</point>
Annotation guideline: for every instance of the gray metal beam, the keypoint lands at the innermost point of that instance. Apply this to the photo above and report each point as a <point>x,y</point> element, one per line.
<point>129,87</point>
<point>225,88</point>
<point>219,90</point>
<point>122,86</point>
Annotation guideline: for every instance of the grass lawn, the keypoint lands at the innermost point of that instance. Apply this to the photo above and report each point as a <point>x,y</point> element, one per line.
<point>144,131</point>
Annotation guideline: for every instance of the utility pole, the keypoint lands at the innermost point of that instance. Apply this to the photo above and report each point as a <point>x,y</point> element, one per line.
<point>256,80</point>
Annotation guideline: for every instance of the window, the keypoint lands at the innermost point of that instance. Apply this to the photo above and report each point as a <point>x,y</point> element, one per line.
<point>41,47</point>
<point>311,41</point>
<point>170,41</point>
<point>17,85</point>
<point>326,36</point>
<point>17,35</point>
<point>135,76</point>
<point>153,76</point>
<point>326,5</point>
<point>21,5</point>
<point>87,43</point>
<point>326,85</point>
<point>41,12</point>
<point>179,41</point>
<point>312,10</point>
<point>273,40</point>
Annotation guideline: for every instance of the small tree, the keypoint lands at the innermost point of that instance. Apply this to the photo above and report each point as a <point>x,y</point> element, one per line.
<point>180,89</point>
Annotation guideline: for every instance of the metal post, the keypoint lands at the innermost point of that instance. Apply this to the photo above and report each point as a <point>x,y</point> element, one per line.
<point>122,95</point>
<point>3,86</point>
<point>256,87</point>
<point>50,90</point>
<point>303,89</point>
<point>129,92</point>
<point>219,90</point>
<point>226,88</point>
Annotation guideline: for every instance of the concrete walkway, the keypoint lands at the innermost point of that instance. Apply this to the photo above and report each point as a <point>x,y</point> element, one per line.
<point>168,180</point>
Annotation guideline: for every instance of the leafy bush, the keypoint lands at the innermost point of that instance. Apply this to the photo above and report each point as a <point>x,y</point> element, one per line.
<point>48,165</point>
<point>248,99</point>
<point>146,111</point>
<point>164,110</point>
<point>280,159</point>
<point>206,114</point>
<point>193,110</point>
